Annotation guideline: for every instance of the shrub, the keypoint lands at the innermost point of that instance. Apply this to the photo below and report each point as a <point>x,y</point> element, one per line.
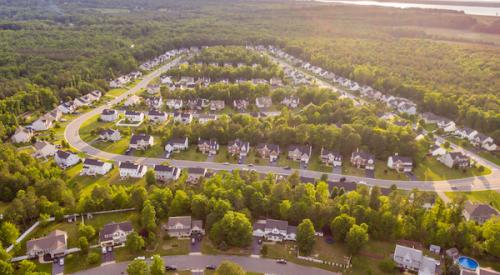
<point>386,266</point>
<point>93,258</point>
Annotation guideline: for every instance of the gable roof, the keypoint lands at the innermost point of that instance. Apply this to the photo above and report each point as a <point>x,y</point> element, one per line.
<point>107,231</point>
<point>136,138</point>
<point>480,210</point>
<point>54,240</point>
<point>93,162</point>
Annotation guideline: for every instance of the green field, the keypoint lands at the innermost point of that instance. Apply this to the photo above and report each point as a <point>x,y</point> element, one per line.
<point>490,197</point>
<point>432,169</point>
<point>207,247</point>
<point>190,154</point>
<point>383,172</point>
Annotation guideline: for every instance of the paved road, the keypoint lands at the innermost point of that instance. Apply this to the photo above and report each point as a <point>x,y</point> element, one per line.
<point>184,262</point>
<point>489,182</point>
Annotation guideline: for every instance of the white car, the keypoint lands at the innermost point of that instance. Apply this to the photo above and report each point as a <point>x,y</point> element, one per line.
<point>103,250</point>
<point>140,258</point>
<point>61,261</point>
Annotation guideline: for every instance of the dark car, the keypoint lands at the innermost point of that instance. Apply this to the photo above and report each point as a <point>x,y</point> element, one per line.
<point>287,168</point>
<point>170,268</point>
<point>211,267</point>
<point>281,261</point>
<point>342,179</point>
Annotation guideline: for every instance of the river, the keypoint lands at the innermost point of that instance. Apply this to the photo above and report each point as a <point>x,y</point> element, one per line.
<point>475,10</point>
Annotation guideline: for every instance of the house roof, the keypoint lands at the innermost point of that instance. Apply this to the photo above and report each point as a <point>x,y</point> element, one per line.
<point>209,142</point>
<point>93,162</point>
<point>269,146</point>
<point>39,145</point>
<point>164,168</point>
<point>156,113</point>
<point>402,159</point>
<point>109,112</point>
<point>53,241</point>
<point>279,224</point>
<point>108,131</point>
<point>303,149</point>
<point>107,231</point>
<point>363,155</point>
<point>240,143</point>
<point>177,141</point>
<point>480,210</point>
<point>325,152</point>
<point>132,113</point>
<point>128,165</point>
<point>408,252</point>
<point>197,170</point>
<point>136,138</point>
<point>457,155</point>
<point>184,220</point>
<point>63,154</point>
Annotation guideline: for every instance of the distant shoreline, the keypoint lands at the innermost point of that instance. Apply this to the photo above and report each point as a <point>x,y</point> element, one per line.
<point>482,4</point>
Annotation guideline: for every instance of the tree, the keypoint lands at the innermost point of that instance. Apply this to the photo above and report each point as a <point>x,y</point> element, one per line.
<point>234,229</point>
<point>305,236</point>
<point>157,266</point>
<point>229,268</point>
<point>150,177</point>
<point>284,208</point>
<point>357,237</point>
<point>138,196</point>
<point>6,268</point>
<point>199,206</point>
<point>491,234</point>
<point>8,233</point>
<point>138,267</point>
<point>87,231</point>
<point>148,216</point>
<point>93,258</point>
<point>340,226</point>
<point>161,199</point>
<point>134,242</point>
<point>374,198</point>
<point>26,267</point>
<point>180,205</point>
<point>84,244</point>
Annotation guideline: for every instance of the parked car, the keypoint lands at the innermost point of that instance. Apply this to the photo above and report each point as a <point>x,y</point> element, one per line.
<point>281,261</point>
<point>140,258</point>
<point>287,168</point>
<point>61,261</point>
<point>211,267</point>
<point>170,268</point>
<point>110,248</point>
<point>103,250</point>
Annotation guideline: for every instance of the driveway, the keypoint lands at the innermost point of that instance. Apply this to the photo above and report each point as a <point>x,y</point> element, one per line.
<point>337,170</point>
<point>57,269</point>
<point>108,257</point>
<point>411,175</point>
<point>190,262</point>
<point>196,246</point>
<point>370,173</point>
<point>211,158</point>
<point>256,247</point>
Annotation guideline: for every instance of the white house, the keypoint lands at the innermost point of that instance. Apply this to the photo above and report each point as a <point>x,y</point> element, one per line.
<point>132,101</point>
<point>66,159</point>
<point>483,141</point>
<point>183,227</point>
<point>364,160</point>
<point>184,118</point>
<point>165,172</point>
<point>43,149</point>
<point>268,151</point>
<point>274,230</point>
<point>67,107</point>
<point>22,135</point>
<point>331,157</point>
<point>110,135</point>
<point>437,150</point>
<point>414,260</point>
<point>134,116</point>
<point>263,102</point>
<point>204,118</point>
<point>141,141</point>
<point>109,115</point>
<point>176,145</point>
<point>114,234</point>
<point>300,153</point>
<point>455,159</point>
<point>175,104</point>
<point>157,116</point>
<point>400,163</point>
<point>155,102</point>
<point>43,123</point>
<point>92,167</point>
<point>132,170</point>
<point>291,102</point>
<point>466,133</point>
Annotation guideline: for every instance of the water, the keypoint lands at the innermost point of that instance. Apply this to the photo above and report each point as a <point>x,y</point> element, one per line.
<point>468,263</point>
<point>475,10</point>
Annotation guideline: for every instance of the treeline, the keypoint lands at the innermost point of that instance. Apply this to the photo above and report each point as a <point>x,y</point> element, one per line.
<point>232,73</point>
<point>233,55</point>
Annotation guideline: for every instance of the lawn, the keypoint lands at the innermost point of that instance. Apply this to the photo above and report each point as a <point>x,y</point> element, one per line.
<point>254,158</point>
<point>316,164</point>
<point>76,261</point>
<point>116,92</point>
<point>155,151</point>
<point>490,197</point>
<point>383,172</point>
<point>348,169</point>
<point>430,127</point>
<point>117,147</point>
<point>224,156</point>
<point>190,154</point>
<point>91,125</point>
<point>283,161</point>
<point>207,247</point>
<point>491,156</point>
<point>163,246</point>
<point>432,169</point>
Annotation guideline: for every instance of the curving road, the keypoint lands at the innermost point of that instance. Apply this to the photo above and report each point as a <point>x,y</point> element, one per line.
<point>199,262</point>
<point>71,134</point>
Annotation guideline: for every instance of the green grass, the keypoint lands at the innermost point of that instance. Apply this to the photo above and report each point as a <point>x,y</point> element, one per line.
<point>207,247</point>
<point>490,197</point>
<point>432,169</point>
<point>491,156</point>
<point>79,261</point>
<point>91,125</point>
<point>47,268</point>
<point>164,246</point>
<point>348,169</point>
<point>117,147</point>
<point>380,172</point>
<point>430,127</point>
<point>283,161</point>
<point>224,156</point>
<point>116,92</point>
<point>316,164</point>
<point>190,154</point>
<point>155,151</point>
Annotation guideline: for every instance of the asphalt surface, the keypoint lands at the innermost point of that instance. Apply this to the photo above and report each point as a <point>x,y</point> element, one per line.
<point>199,262</point>
<point>488,182</point>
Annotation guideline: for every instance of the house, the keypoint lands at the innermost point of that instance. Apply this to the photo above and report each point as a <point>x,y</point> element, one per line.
<point>109,135</point>
<point>154,102</point>
<point>134,116</point>
<point>184,118</point>
<point>92,167</point>
<point>44,149</point>
<point>132,101</point>
<point>333,158</point>
<point>486,142</point>
<point>455,159</point>
<point>240,104</point>
<point>198,104</point>
<point>176,145</point>
<point>217,105</point>
<point>263,102</point>
<point>407,108</point>
<point>157,116</point>
<point>195,173</point>
<point>43,123</point>
<point>22,135</point>
<point>300,153</point>
<point>67,107</point>
<point>436,150</point>
<point>115,234</point>
<point>443,123</point>
<point>364,160</point>
<point>400,163</point>
<point>109,115</point>
<point>65,159</point>
<point>209,147</point>
<point>291,102</point>
<point>141,141</point>
<point>479,212</point>
<point>183,227</point>
<point>238,147</point>
<point>274,230</point>
<point>131,170</point>
<point>154,89</point>
<point>466,133</point>
<point>54,244</point>
<point>436,249</point>
<point>414,260</point>
<point>276,82</point>
<point>165,172</point>
<point>175,104</point>
<point>268,151</point>
<point>204,118</point>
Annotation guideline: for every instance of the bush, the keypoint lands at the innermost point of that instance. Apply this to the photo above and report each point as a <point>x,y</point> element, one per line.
<point>480,168</point>
<point>93,258</point>
<point>264,250</point>
<point>386,266</point>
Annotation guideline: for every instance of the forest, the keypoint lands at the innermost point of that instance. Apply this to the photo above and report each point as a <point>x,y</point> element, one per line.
<point>58,50</point>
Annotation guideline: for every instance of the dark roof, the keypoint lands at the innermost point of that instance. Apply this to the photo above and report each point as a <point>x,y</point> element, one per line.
<point>458,155</point>
<point>128,165</point>
<point>63,154</point>
<point>196,170</point>
<point>156,113</point>
<point>109,112</point>
<point>136,138</point>
<point>402,159</point>
<point>107,231</point>
<point>279,224</point>
<point>164,168</point>
<point>325,152</point>
<point>108,131</point>
<point>270,146</point>
<point>363,155</point>
<point>132,113</point>
<point>177,140</point>
<point>480,209</point>
<point>211,142</point>
<point>93,162</point>
<point>303,149</point>
<point>240,143</point>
